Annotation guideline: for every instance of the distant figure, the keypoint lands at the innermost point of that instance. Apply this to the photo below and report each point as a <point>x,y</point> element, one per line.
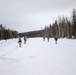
<point>25,38</point>
<point>48,39</point>
<point>43,38</point>
<point>55,39</point>
<point>19,41</point>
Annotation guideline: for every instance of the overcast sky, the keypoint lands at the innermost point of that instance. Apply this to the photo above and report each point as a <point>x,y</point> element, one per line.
<point>29,15</point>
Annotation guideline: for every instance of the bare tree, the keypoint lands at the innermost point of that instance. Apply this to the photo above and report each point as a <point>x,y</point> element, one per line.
<point>74,23</point>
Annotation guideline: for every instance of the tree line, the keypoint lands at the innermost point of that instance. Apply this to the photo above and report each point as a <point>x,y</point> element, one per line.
<point>7,33</point>
<point>62,27</point>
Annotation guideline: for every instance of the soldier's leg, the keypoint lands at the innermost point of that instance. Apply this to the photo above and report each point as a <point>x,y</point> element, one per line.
<point>24,42</point>
<point>19,44</point>
<point>56,41</point>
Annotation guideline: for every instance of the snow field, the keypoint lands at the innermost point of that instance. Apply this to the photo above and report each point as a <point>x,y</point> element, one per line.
<point>38,57</point>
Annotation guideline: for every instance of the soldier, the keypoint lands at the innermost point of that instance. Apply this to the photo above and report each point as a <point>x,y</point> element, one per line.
<point>56,39</point>
<point>19,41</point>
<point>43,38</point>
<point>48,38</point>
<point>25,38</point>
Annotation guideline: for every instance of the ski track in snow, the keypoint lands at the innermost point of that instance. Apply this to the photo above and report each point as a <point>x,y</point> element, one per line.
<point>38,57</point>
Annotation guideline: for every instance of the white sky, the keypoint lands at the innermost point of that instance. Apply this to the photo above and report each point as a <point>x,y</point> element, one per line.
<point>29,15</point>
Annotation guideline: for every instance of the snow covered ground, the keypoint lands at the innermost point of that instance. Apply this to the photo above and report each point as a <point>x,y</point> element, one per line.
<point>38,57</point>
